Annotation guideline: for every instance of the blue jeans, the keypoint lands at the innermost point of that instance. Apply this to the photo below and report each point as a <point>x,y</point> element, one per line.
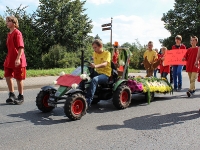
<point>99,79</point>
<point>164,75</point>
<point>155,71</point>
<point>177,74</point>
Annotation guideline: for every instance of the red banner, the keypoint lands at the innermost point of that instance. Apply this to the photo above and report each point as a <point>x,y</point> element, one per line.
<point>174,57</point>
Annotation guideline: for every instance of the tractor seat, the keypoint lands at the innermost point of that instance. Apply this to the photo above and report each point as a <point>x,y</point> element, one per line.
<point>114,74</point>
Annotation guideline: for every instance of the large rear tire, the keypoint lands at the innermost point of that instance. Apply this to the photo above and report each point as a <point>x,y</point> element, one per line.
<point>42,101</point>
<point>75,106</point>
<point>122,97</point>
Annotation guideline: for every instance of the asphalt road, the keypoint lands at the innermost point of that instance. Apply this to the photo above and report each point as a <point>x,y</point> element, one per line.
<point>171,122</point>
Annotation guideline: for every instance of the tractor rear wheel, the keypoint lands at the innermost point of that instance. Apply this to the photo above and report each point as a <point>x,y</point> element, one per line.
<point>122,97</point>
<point>42,101</point>
<point>75,106</point>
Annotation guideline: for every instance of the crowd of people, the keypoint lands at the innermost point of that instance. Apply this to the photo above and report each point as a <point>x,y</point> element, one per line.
<point>191,57</point>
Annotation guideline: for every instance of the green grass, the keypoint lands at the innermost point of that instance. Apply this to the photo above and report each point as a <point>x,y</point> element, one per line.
<point>53,72</point>
<point>43,72</point>
<point>133,71</point>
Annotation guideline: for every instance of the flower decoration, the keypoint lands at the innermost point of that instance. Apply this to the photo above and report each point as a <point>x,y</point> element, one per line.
<point>54,82</point>
<point>83,76</point>
<point>62,73</point>
<point>74,86</point>
<point>121,63</point>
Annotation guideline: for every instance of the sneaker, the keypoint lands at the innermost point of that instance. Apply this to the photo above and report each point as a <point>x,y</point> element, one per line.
<point>11,98</point>
<point>189,94</point>
<point>19,100</point>
<point>193,92</point>
<point>179,89</point>
<point>176,90</point>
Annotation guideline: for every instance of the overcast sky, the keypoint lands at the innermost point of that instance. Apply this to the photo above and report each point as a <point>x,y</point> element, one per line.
<point>132,19</point>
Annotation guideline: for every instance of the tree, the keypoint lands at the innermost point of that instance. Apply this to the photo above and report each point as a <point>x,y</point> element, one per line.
<point>97,37</point>
<point>63,22</point>
<point>137,50</point>
<point>183,20</point>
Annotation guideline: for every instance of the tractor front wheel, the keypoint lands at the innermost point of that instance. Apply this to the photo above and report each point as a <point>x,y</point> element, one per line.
<point>75,106</point>
<point>42,101</point>
<point>122,97</point>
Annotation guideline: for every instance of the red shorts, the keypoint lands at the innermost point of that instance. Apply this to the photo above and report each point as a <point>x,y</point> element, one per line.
<point>17,73</point>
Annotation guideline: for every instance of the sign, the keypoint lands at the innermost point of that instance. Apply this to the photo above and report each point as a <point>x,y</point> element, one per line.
<point>174,57</point>
<point>105,25</point>
<point>109,28</point>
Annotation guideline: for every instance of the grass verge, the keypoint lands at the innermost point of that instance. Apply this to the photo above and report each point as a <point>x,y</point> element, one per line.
<point>53,72</point>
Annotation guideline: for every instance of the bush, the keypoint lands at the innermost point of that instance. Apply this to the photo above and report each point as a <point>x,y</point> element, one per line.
<point>58,57</point>
<point>55,58</point>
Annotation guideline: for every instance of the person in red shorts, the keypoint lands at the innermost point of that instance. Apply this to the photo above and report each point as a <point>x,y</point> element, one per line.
<point>191,69</point>
<point>164,70</point>
<point>15,62</point>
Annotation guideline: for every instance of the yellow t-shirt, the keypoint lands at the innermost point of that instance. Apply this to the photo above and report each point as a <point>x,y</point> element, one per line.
<point>101,58</point>
<point>151,55</point>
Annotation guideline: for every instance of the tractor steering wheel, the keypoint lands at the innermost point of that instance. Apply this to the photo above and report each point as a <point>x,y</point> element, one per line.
<point>87,62</point>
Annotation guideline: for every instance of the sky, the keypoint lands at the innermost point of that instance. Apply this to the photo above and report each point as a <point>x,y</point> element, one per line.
<point>132,19</point>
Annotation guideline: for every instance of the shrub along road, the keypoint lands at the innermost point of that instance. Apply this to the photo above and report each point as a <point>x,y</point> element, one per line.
<point>170,122</point>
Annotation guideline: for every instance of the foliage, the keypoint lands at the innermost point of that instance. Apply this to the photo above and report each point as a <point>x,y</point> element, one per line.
<point>3,31</point>
<point>137,50</point>
<point>63,22</point>
<point>57,57</point>
<point>183,20</point>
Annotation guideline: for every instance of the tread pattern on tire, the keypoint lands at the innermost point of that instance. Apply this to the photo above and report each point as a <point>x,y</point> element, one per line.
<point>68,104</point>
<point>39,102</point>
<point>116,97</point>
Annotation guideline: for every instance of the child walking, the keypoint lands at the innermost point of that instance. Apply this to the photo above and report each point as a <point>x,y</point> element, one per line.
<point>177,69</point>
<point>191,69</point>
<point>164,70</point>
<point>15,62</point>
<point>151,55</point>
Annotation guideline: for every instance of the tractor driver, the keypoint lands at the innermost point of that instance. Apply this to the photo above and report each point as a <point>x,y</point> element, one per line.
<point>102,65</point>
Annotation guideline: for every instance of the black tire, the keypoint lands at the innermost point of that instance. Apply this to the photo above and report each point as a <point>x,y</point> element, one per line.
<point>42,101</point>
<point>75,106</point>
<point>122,97</point>
<point>95,101</point>
<point>152,94</point>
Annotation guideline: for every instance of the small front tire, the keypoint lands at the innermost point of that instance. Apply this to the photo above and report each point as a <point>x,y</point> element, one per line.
<point>42,101</point>
<point>75,106</point>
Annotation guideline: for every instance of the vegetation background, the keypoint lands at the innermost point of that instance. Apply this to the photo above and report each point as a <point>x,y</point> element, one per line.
<point>56,32</point>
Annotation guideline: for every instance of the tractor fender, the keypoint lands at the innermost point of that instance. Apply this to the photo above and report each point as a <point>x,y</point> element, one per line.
<point>46,88</point>
<point>118,83</point>
<point>73,91</point>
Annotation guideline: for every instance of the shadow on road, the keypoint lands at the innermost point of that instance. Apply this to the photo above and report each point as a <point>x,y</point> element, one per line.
<point>38,118</point>
<point>154,121</point>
